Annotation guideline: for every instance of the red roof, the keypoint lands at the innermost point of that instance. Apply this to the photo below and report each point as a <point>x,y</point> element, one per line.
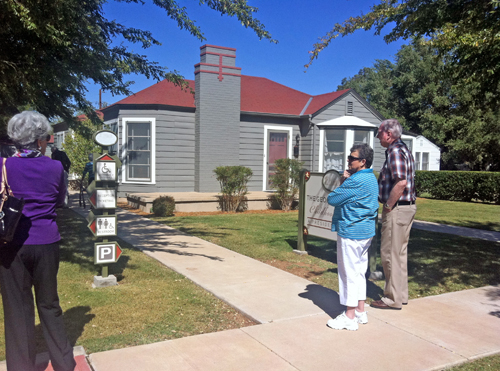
<point>163,92</point>
<point>84,117</point>
<point>258,94</point>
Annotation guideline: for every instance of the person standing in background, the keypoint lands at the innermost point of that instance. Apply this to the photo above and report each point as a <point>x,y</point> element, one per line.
<point>397,194</point>
<point>31,260</point>
<point>89,169</point>
<point>66,163</point>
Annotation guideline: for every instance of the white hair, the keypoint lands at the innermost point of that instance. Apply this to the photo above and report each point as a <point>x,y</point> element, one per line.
<point>27,127</point>
<point>393,126</point>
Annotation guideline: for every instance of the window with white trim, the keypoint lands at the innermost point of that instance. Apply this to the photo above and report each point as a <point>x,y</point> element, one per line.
<point>338,143</point>
<point>112,126</point>
<point>425,160</point>
<point>417,161</point>
<point>334,149</point>
<point>139,150</point>
<point>59,138</point>
<point>361,136</point>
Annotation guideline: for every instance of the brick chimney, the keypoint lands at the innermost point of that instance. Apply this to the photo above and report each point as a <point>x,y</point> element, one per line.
<point>217,117</point>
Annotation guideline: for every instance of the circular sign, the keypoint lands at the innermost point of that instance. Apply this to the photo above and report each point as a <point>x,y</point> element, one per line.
<point>105,138</point>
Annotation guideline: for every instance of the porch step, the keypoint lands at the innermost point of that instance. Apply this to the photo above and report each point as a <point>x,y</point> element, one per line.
<point>196,201</point>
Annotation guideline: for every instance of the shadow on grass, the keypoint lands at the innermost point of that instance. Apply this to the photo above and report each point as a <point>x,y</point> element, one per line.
<point>438,259</point>
<point>75,320</point>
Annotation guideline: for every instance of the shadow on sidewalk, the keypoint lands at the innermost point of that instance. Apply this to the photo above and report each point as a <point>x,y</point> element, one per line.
<point>324,298</point>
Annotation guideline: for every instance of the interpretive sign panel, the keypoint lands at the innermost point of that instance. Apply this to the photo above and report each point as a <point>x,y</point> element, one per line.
<point>318,214</point>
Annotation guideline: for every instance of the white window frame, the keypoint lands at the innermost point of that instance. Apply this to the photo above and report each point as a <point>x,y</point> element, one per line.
<point>123,151</point>
<point>349,142</point>
<point>268,128</point>
<point>107,125</point>
<point>417,157</point>
<point>428,163</point>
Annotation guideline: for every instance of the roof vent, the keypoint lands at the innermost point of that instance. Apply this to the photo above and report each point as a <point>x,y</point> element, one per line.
<point>349,108</point>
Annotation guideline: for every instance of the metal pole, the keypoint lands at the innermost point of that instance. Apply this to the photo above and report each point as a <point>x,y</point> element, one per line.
<point>314,147</point>
<point>373,252</point>
<point>301,238</point>
<point>104,271</point>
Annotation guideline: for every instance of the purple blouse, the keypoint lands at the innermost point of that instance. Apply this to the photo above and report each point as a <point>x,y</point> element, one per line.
<point>40,181</point>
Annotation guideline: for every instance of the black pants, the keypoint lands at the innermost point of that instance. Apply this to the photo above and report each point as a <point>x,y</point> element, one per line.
<point>21,268</point>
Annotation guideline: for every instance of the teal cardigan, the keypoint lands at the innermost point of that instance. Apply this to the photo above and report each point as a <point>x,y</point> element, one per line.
<point>356,206</point>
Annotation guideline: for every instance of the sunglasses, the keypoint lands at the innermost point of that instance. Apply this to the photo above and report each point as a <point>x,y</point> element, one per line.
<point>48,138</point>
<point>352,158</point>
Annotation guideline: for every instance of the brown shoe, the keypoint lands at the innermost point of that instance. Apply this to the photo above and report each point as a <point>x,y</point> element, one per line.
<point>379,304</point>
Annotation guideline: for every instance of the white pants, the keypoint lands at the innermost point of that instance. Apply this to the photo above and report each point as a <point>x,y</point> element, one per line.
<point>352,261</point>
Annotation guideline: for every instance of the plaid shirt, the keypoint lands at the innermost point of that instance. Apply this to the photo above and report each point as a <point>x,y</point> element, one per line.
<point>399,163</point>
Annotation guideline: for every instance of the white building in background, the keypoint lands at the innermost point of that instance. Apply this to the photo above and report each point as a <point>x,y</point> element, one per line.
<point>427,155</point>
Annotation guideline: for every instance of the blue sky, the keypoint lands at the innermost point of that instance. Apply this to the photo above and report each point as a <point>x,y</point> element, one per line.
<point>296,24</point>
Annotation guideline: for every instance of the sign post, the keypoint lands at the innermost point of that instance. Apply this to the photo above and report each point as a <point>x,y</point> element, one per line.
<point>102,218</point>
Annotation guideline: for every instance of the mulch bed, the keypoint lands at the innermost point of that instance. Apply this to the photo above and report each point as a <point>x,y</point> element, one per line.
<point>127,207</point>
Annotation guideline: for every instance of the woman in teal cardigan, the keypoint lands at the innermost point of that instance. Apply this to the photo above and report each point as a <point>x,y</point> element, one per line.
<point>354,218</point>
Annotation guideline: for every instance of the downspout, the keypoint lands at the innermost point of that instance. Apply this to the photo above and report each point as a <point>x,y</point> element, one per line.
<point>313,141</point>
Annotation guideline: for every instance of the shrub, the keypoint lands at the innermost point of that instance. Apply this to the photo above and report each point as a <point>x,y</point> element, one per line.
<point>286,181</point>
<point>233,184</point>
<point>164,206</point>
<point>459,185</point>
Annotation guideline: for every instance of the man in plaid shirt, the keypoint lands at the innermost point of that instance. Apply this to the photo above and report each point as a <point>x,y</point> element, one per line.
<point>397,194</point>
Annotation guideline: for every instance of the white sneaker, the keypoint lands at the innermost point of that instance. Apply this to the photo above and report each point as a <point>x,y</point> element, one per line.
<point>361,317</point>
<point>343,322</point>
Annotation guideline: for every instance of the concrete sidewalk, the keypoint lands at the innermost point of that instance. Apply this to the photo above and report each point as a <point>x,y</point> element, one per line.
<point>429,333</point>
<point>459,231</point>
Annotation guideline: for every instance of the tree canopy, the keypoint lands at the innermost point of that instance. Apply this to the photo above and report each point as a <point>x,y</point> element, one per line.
<point>427,101</point>
<point>50,49</point>
<point>466,32</point>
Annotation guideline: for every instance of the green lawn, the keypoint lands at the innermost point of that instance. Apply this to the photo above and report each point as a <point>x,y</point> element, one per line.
<point>438,263</point>
<point>463,214</point>
<point>491,363</point>
<point>151,302</point>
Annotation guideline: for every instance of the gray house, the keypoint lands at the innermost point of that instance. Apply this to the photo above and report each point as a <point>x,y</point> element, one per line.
<point>171,140</point>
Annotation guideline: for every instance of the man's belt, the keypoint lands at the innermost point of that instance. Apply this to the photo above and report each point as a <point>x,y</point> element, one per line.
<point>404,203</point>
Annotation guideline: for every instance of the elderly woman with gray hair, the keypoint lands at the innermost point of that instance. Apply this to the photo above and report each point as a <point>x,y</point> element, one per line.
<point>32,258</point>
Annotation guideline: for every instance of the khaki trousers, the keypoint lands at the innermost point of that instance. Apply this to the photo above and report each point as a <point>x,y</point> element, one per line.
<point>396,226</point>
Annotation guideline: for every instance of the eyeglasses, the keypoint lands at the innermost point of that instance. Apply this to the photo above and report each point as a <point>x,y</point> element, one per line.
<point>48,138</point>
<point>352,158</point>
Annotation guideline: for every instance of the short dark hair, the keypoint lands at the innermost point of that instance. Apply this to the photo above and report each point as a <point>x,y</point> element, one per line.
<point>365,153</point>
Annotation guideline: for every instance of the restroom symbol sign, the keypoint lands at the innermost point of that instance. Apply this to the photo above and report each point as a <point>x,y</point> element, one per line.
<point>106,252</point>
<point>103,225</point>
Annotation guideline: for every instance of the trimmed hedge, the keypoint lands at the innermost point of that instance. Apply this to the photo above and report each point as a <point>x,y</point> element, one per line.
<point>286,181</point>
<point>459,185</point>
<point>164,206</point>
<point>233,186</point>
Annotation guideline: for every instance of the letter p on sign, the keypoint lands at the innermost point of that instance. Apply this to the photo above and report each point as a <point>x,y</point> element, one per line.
<point>106,252</point>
